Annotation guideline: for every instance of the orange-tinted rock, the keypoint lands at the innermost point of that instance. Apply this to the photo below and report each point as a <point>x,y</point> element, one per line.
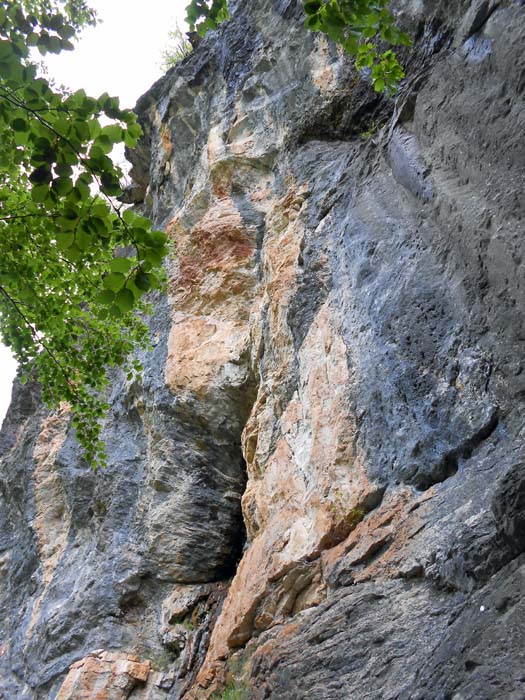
<point>305,488</point>
<point>52,519</point>
<point>212,287</point>
<point>104,676</point>
<point>379,546</point>
<point>214,263</point>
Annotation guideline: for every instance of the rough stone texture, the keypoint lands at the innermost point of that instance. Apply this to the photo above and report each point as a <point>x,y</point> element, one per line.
<point>341,349</point>
<point>104,675</point>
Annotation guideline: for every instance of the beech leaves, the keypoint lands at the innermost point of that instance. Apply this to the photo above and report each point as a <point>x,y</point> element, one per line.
<point>74,267</point>
<point>353,24</point>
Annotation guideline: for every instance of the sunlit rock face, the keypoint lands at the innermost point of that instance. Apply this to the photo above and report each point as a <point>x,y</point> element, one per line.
<point>317,489</point>
<point>104,675</point>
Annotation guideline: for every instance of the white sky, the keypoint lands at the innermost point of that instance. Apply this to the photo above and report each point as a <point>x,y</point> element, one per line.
<point>7,374</point>
<point>121,56</point>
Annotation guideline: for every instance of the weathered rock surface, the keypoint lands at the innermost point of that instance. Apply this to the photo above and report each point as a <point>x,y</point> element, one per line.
<point>104,675</point>
<point>318,488</point>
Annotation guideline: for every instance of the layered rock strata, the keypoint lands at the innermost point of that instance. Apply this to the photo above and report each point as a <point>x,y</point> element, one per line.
<point>317,490</point>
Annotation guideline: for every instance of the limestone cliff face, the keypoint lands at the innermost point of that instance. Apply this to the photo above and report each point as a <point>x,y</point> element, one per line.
<point>318,488</point>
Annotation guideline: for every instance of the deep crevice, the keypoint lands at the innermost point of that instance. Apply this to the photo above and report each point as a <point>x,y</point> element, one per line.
<point>449,463</point>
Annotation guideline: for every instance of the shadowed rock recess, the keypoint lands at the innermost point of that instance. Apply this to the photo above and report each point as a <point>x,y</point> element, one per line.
<point>317,491</point>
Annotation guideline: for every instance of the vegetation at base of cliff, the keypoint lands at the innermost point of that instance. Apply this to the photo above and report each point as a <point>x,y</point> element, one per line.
<point>74,267</point>
<point>353,24</point>
<point>231,693</point>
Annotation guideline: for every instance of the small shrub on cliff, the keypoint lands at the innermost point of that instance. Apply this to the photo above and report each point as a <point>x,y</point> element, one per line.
<point>231,693</point>
<point>178,49</point>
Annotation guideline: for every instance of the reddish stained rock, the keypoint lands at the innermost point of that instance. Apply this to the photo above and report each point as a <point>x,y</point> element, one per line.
<point>217,248</point>
<point>212,291</point>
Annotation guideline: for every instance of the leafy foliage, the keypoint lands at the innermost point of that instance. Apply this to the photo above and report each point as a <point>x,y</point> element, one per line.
<point>203,15</point>
<point>231,693</point>
<point>179,48</point>
<point>354,24</point>
<point>74,267</point>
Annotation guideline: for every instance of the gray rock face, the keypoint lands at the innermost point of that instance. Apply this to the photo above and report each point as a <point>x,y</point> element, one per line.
<point>342,348</point>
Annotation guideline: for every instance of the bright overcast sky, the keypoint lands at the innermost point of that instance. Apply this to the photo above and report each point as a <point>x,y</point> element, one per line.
<point>121,56</point>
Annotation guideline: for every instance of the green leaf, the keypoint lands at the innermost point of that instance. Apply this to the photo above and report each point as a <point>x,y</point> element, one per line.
<point>113,133</point>
<point>102,144</point>
<point>66,224</point>
<point>122,265</point>
<point>130,141</point>
<point>41,175</point>
<point>125,300</point>
<point>99,226</point>
<point>21,138</point>
<point>99,208</point>
<point>115,311</point>
<point>106,297</point>
<point>73,253</point>
<point>53,45</point>
<point>114,281</point>
<point>135,130</point>
<point>110,185</point>
<point>313,23</point>
<point>66,31</point>
<point>6,49</point>
<point>20,124</point>
<point>157,238</point>
<point>312,7</point>
<point>143,281</point>
<point>40,193</point>
<point>153,257</point>
<point>111,107</point>
<point>62,185</point>
<point>83,189</point>
<point>129,216</point>
<point>65,240</point>
<point>83,239</point>
<point>63,170</point>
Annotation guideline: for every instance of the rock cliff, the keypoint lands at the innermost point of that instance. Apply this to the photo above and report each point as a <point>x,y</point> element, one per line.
<point>317,490</point>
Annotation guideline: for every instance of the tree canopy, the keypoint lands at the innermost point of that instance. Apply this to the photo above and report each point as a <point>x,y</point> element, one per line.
<point>74,266</point>
<point>356,25</point>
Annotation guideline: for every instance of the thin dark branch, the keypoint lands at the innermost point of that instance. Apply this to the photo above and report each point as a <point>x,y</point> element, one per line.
<point>12,97</point>
<point>27,216</point>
